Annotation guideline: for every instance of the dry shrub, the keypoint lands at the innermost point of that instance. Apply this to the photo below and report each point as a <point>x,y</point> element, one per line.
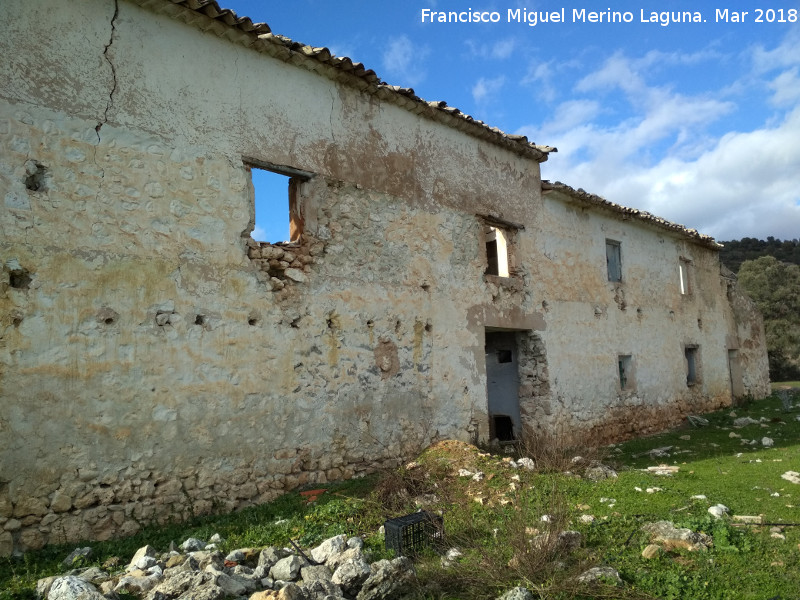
<point>555,453</point>
<point>503,546</point>
<point>397,489</point>
<point>536,555</point>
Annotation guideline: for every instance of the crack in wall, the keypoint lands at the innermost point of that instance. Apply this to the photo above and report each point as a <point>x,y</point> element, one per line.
<point>330,116</point>
<point>110,102</point>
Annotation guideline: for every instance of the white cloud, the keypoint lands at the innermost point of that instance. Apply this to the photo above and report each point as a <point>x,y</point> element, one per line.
<point>657,58</point>
<point>616,72</point>
<point>403,59</point>
<point>572,114</point>
<point>540,76</point>
<point>786,54</point>
<point>787,88</point>
<point>485,88</point>
<point>661,157</point>
<point>499,50</point>
<point>259,233</point>
<point>747,184</point>
<point>503,48</point>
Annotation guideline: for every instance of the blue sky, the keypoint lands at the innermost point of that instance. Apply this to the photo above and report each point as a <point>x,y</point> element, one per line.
<point>695,122</point>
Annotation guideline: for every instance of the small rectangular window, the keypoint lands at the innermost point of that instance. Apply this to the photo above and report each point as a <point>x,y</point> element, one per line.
<point>692,370</point>
<point>496,251</point>
<point>276,191</point>
<point>613,260</point>
<point>625,372</point>
<point>683,267</point>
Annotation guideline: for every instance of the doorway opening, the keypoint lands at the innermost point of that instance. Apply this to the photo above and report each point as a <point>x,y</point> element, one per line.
<point>502,386</point>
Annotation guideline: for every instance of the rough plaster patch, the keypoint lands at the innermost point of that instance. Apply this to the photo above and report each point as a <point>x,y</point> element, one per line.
<point>386,358</point>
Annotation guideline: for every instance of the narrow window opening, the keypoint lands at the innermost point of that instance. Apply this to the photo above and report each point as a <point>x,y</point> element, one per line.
<point>691,365</point>
<point>613,260</point>
<point>277,212</point>
<point>625,372</point>
<point>496,251</point>
<point>683,268</point>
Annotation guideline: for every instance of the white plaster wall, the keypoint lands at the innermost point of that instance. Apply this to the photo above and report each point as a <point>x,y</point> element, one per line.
<point>119,408</point>
<point>591,321</point>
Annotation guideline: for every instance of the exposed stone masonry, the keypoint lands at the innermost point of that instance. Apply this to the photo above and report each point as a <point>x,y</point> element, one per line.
<point>285,262</point>
<point>102,506</point>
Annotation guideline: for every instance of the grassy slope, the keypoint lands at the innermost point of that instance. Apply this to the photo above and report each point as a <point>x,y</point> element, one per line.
<point>493,520</point>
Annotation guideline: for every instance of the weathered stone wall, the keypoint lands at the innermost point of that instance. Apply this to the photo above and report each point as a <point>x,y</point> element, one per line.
<point>746,335</point>
<point>157,362</point>
<point>592,321</point>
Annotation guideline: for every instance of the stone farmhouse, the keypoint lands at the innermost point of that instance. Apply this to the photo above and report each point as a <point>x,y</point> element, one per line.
<point>157,361</point>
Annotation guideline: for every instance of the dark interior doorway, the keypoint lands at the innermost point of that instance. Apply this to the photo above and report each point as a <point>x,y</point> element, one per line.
<point>502,386</point>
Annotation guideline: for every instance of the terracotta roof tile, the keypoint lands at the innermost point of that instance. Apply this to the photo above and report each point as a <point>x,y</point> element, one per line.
<point>627,213</point>
<point>213,10</point>
<point>260,37</point>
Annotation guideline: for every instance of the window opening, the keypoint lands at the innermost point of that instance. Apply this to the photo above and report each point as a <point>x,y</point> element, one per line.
<point>275,198</point>
<point>496,251</point>
<point>625,374</point>
<point>613,260</point>
<point>684,275</point>
<point>691,365</point>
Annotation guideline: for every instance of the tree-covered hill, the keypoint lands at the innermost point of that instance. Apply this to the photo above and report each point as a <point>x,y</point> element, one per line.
<point>775,287</point>
<point>735,252</point>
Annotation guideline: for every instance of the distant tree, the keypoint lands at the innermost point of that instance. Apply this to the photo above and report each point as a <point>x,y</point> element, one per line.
<point>775,287</point>
<point>735,252</point>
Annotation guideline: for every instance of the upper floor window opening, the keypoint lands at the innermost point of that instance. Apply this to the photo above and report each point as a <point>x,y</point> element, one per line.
<point>496,251</point>
<point>684,266</point>
<point>276,190</point>
<point>613,260</point>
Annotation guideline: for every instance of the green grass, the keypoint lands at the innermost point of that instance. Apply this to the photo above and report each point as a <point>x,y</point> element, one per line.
<point>493,524</point>
<point>779,384</point>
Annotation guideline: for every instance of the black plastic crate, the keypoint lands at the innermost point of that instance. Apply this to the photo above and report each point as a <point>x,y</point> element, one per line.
<point>409,534</point>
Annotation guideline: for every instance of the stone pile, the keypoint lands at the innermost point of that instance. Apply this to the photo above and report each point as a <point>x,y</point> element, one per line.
<point>666,535</point>
<point>337,569</point>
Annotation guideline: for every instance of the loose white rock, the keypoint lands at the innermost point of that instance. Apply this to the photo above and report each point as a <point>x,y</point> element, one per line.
<point>718,511</point>
<point>527,463</point>
<point>791,476</point>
